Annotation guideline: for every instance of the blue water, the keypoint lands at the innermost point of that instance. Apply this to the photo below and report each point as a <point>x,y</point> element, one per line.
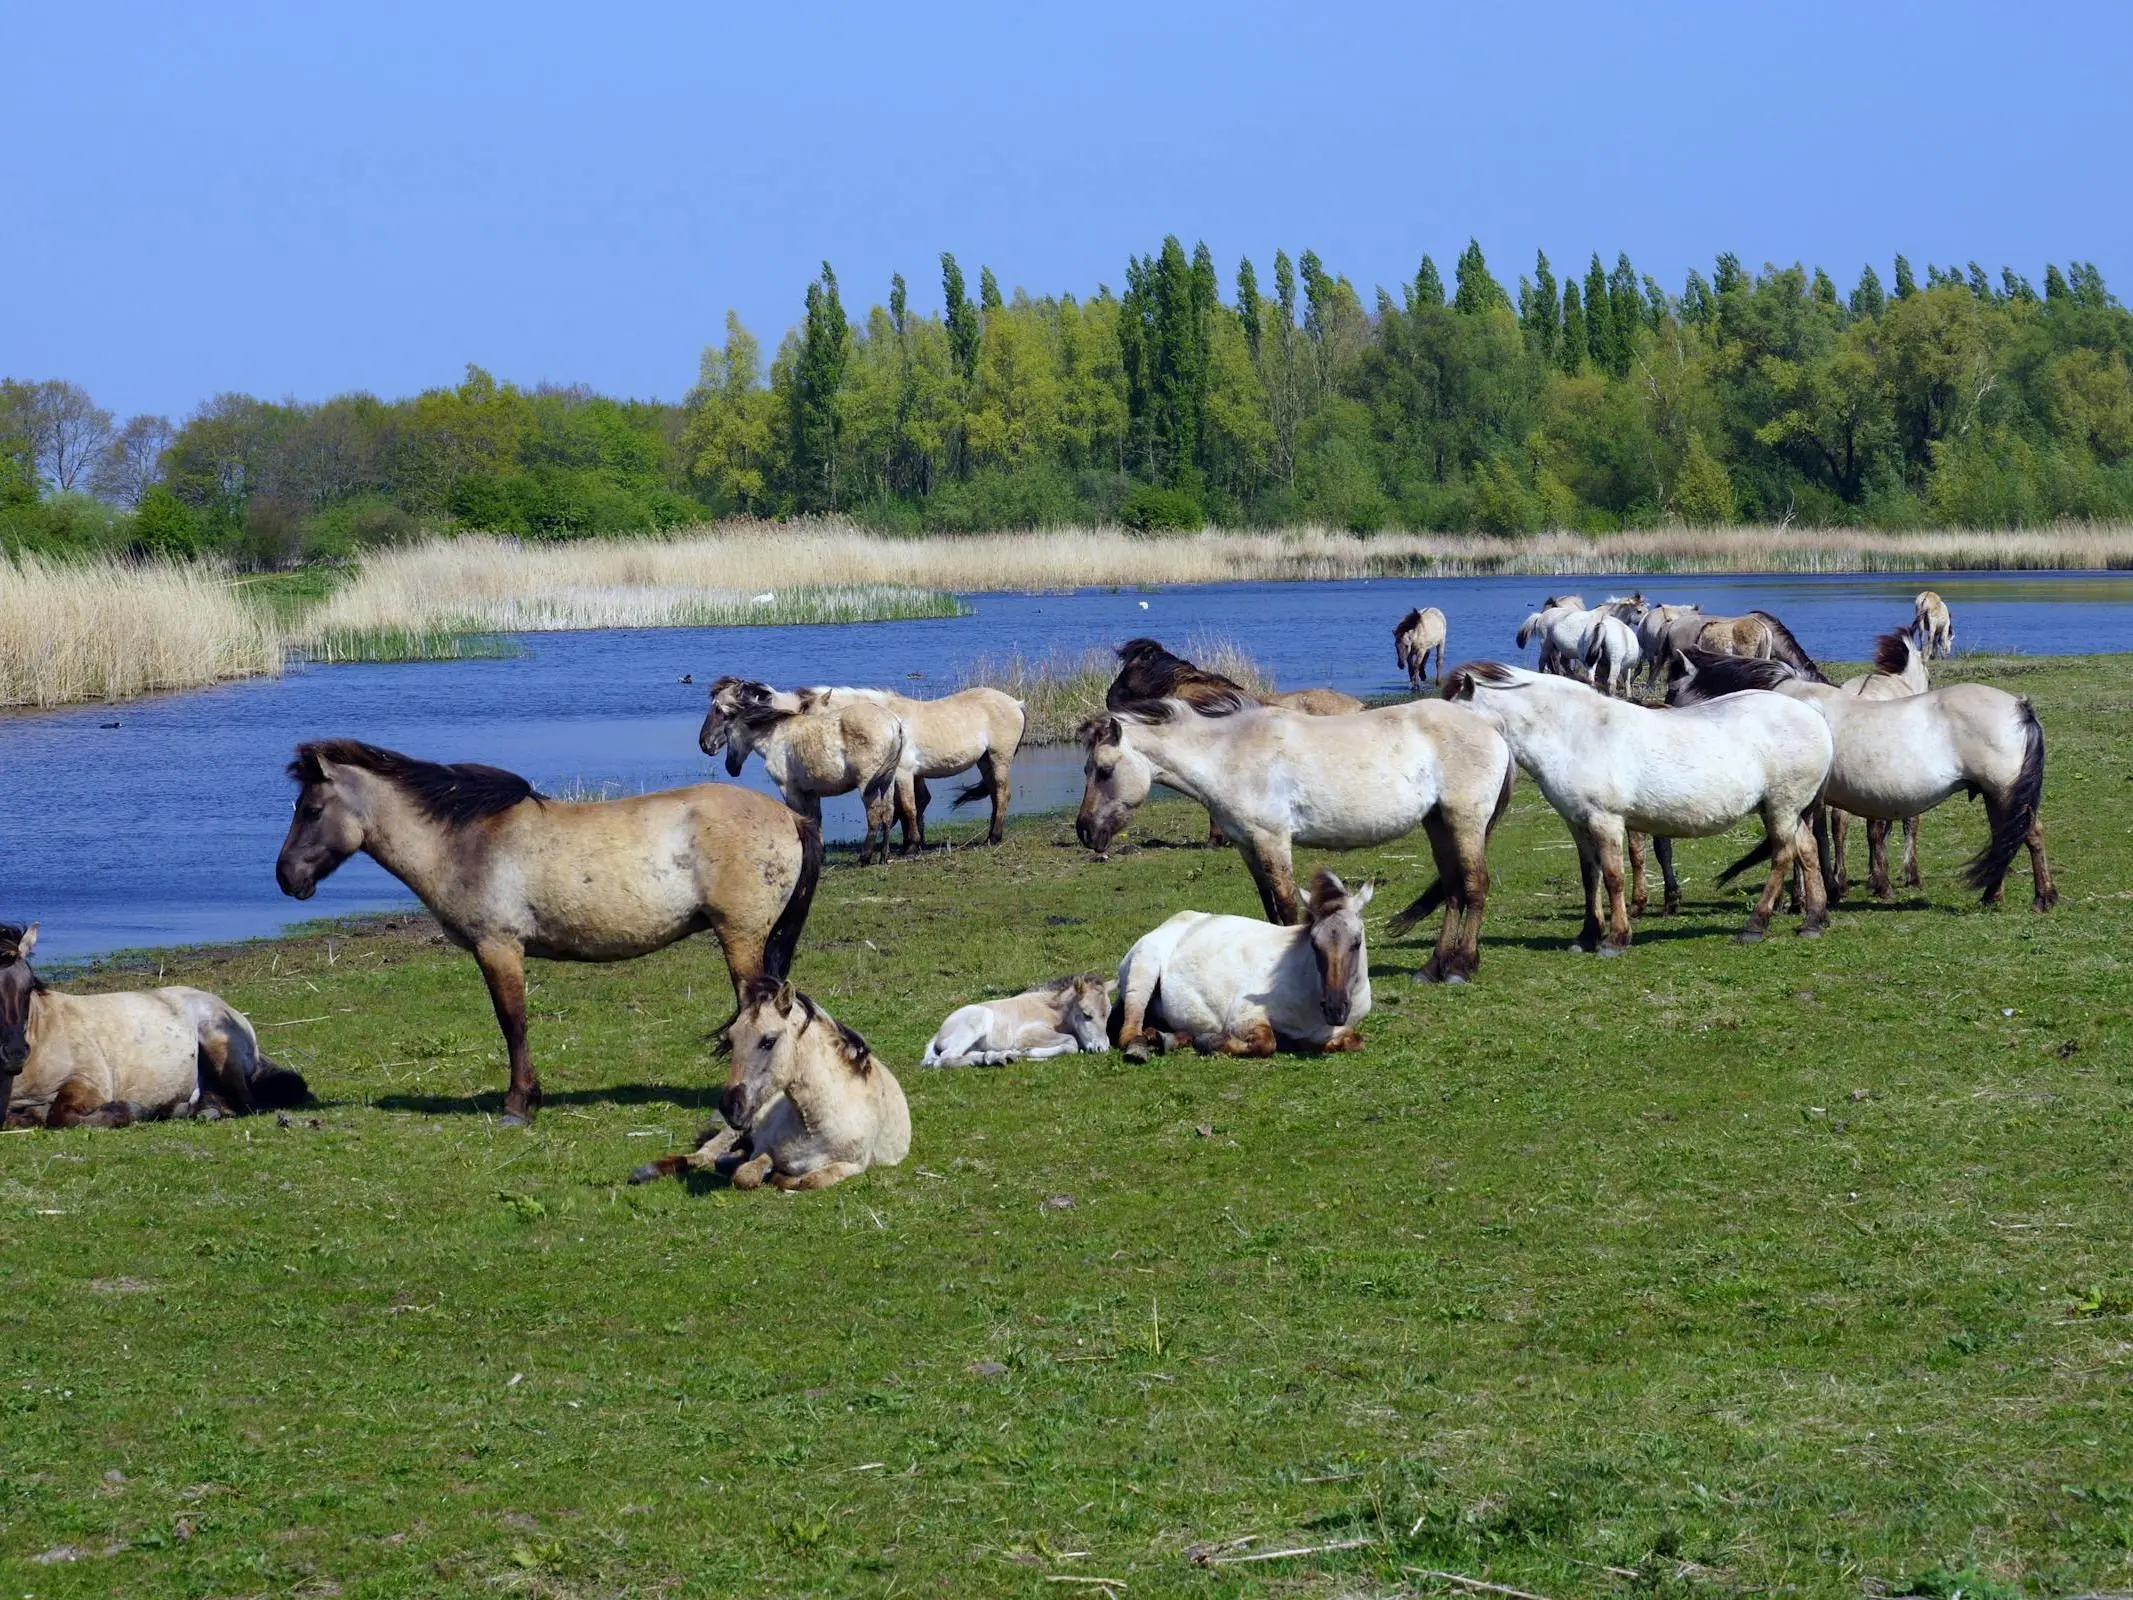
<point>163,829</point>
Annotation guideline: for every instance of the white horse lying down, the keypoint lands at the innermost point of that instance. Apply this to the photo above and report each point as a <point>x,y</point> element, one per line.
<point>1609,766</point>
<point>1233,986</point>
<point>807,1104</point>
<point>114,1059</point>
<point>1053,1019</point>
<point>1900,758</point>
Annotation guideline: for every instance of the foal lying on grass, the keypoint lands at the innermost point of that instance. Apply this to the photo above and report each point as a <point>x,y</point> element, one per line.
<point>1053,1019</point>
<point>107,1060</point>
<point>1234,986</point>
<point>807,1104</point>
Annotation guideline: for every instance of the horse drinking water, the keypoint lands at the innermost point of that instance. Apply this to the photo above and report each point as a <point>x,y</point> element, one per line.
<point>511,873</point>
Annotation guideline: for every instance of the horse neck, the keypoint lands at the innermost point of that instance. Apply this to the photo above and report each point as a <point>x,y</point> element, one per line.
<point>1184,753</point>
<point>414,848</point>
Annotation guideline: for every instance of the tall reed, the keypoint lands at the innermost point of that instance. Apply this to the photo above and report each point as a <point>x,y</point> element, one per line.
<point>1061,690</point>
<point>108,630</point>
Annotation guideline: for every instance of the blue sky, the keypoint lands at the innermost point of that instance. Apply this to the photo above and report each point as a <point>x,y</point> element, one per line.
<point>297,200</point>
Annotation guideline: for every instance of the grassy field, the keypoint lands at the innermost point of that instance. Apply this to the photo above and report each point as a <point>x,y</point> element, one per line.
<point>1803,1268</point>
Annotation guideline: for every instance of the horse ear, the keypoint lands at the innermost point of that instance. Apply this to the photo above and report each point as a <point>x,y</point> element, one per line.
<point>1365,895</point>
<point>26,943</point>
<point>784,998</point>
<point>323,768</point>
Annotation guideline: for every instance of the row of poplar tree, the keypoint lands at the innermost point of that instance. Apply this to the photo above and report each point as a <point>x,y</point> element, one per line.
<point>1585,402</point>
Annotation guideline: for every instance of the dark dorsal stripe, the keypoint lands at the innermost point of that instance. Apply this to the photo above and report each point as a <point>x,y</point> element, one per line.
<point>455,794</point>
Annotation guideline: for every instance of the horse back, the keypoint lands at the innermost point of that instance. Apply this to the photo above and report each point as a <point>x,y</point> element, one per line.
<point>136,1045</point>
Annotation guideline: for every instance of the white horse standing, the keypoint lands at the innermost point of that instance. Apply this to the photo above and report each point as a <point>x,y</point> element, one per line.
<point>1054,1019</point>
<point>1233,986</point>
<point>1899,671</point>
<point>1273,779</point>
<point>1901,758</point>
<point>1932,624</point>
<point>1565,627</point>
<point>1612,654</point>
<point>1609,766</point>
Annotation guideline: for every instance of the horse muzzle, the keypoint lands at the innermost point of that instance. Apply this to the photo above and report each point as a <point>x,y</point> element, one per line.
<point>1334,1003</point>
<point>1098,831</point>
<point>297,882</point>
<point>711,737</point>
<point>733,1106</point>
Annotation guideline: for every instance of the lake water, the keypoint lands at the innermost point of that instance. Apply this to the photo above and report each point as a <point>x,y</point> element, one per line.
<point>163,829</point>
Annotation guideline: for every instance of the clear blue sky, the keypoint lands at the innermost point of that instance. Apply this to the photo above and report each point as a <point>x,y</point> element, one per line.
<point>301,200</point>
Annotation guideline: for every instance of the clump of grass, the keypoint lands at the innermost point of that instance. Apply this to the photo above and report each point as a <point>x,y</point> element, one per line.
<point>479,584</point>
<point>107,630</point>
<point>1059,691</point>
<point>341,646</point>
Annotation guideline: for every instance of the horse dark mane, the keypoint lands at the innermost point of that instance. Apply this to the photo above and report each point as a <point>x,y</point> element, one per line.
<point>1789,650</point>
<point>1399,628</point>
<point>453,794</point>
<point>11,954</point>
<point>755,710</point>
<point>1062,985</point>
<point>1459,683</point>
<point>1892,653</point>
<point>1716,675</point>
<point>1150,677</point>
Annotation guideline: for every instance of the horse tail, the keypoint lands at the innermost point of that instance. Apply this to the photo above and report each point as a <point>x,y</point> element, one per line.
<point>785,932</point>
<point>977,791</point>
<point>1987,870</point>
<point>1789,649</point>
<point>1760,853</point>
<point>1429,900</point>
<point>1528,628</point>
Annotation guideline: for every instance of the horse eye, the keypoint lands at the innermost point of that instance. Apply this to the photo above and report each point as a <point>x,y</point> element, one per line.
<point>763,1044</point>
<point>313,812</point>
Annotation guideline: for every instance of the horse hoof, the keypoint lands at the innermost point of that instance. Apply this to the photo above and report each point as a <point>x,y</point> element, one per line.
<point>1612,950</point>
<point>515,1119</point>
<point>1811,931</point>
<point>1749,936</point>
<point>645,1173</point>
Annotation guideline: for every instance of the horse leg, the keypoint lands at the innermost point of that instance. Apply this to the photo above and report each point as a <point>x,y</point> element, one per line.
<point>907,812</point>
<point>1910,854</point>
<point>1135,1037</point>
<point>1663,848</point>
<point>1588,938</point>
<point>999,777</point>
<point>1815,917</point>
<point>1610,842</point>
<point>1440,667</point>
<point>921,797</point>
<point>1784,836</point>
<point>1253,1039</point>
<point>750,1174</point>
<point>77,1105</point>
<point>1637,895</point>
<point>1877,859</point>
<point>879,797</point>
<point>1268,861</point>
<point>1343,1040</point>
<point>819,1177</point>
<point>503,968</point>
<point>1834,869</point>
<point>2047,891</point>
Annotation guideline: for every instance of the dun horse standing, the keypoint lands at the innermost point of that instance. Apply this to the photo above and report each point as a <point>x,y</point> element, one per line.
<point>1415,638</point>
<point>112,1059</point>
<point>810,751</point>
<point>510,873</point>
<point>978,727</point>
<point>1932,625</point>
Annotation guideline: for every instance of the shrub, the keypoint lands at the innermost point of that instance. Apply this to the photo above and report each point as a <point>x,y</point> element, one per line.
<point>1148,509</point>
<point>164,525</point>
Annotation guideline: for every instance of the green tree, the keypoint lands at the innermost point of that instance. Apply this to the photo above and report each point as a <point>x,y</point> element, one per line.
<point>962,316</point>
<point>988,291</point>
<point>1867,299</point>
<point>1428,288</point>
<point>1476,291</point>
<point>1541,311</point>
<point>1599,317</point>
<point>1577,338</point>
<point>818,375</point>
<point>731,420</point>
<point>1906,284</point>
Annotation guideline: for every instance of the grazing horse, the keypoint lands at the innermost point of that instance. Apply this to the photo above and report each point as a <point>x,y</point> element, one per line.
<point>1232,986</point>
<point>810,753</point>
<point>1273,779</point>
<point>1608,766</point>
<point>1415,638</point>
<point>1899,670</point>
<point>1931,624</point>
<point>1147,671</point>
<point>1901,758</point>
<point>1053,1019</point>
<point>1664,629</point>
<point>511,873</point>
<point>979,728</point>
<point>807,1104</point>
<point>108,1060</point>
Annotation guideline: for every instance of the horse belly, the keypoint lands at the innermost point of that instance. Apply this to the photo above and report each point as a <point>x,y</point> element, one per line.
<point>1873,781</point>
<point>615,904</point>
<point>131,1047</point>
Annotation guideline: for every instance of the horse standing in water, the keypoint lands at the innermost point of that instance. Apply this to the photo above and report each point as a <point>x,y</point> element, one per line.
<point>107,1060</point>
<point>1415,638</point>
<point>510,873</point>
<point>1932,625</point>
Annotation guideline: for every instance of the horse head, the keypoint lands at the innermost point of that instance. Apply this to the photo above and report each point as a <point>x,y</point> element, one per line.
<point>325,831</point>
<point>1085,1011</point>
<point>1336,931</point>
<point>730,698</point>
<point>17,984</point>
<point>773,1041</point>
<point>1118,779</point>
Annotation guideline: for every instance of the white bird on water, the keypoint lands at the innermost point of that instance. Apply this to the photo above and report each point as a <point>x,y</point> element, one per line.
<point>766,597</point>
<point>1144,605</point>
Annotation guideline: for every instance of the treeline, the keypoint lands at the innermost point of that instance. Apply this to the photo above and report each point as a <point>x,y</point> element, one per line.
<point>1589,403</point>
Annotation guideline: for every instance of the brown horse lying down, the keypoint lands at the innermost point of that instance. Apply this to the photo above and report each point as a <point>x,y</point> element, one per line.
<point>807,1104</point>
<point>511,873</point>
<point>1146,671</point>
<point>112,1059</point>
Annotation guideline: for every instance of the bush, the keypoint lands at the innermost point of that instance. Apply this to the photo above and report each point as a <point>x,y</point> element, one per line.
<point>1039,496</point>
<point>164,525</point>
<point>273,534</point>
<point>1148,509</point>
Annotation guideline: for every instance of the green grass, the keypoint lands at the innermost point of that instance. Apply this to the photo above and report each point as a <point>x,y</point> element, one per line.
<point>1802,1268</point>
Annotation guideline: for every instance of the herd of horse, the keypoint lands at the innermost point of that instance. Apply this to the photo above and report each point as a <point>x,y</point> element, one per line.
<point>1733,720</point>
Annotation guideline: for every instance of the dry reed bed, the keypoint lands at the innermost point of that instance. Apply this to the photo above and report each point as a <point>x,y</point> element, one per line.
<point>1061,690</point>
<point>107,631</point>
<point>480,584</point>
